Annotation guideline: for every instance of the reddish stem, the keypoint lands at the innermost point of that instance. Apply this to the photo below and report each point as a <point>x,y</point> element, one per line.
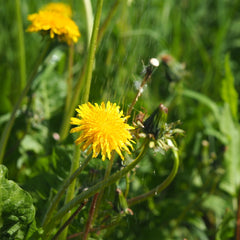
<point>69,220</point>
<point>90,218</point>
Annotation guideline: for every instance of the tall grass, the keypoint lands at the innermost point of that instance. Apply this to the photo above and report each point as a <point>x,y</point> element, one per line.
<point>203,37</point>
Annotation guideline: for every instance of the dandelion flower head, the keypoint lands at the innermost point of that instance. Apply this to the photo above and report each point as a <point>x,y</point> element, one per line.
<point>56,24</point>
<point>103,128</point>
<point>61,8</point>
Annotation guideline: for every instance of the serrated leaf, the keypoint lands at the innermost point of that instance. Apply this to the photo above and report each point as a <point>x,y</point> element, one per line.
<point>51,91</point>
<point>16,209</point>
<point>231,130</point>
<point>228,91</point>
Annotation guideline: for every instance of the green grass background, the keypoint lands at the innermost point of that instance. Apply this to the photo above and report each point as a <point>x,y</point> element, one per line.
<point>201,203</point>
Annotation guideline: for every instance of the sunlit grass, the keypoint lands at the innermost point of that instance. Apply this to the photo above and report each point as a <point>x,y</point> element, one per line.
<point>199,85</point>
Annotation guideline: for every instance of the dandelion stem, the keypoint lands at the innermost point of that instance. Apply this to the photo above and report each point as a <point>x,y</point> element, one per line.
<point>61,191</point>
<point>69,220</point>
<point>92,51</point>
<point>64,130</point>
<point>71,189</point>
<point>160,187</point>
<point>94,189</point>
<point>96,229</point>
<point>70,77</point>
<point>75,96</point>
<point>9,125</point>
<point>90,216</point>
<point>107,174</point>
<point>22,57</point>
<point>89,18</point>
<point>146,78</point>
<point>88,79</point>
<point>107,20</point>
<point>127,185</point>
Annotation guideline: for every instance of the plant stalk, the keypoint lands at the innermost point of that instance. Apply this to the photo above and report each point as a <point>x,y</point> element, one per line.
<point>160,187</point>
<point>89,18</point>
<point>92,51</point>
<point>88,80</point>
<point>90,216</point>
<point>75,96</point>
<point>9,125</point>
<point>94,189</point>
<point>147,76</point>
<point>57,198</point>
<point>70,78</point>
<point>69,220</point>
<point>107,174</point>
<point>71,188</point>
<point>22,56</point>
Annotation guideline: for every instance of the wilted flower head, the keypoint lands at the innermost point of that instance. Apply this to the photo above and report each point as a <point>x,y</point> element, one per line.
<point>174,70</point>
<point>61,8</point>
<point>160,133</point>
<point>154,124</point>
<point>56,24</point>
<point>103,128</point>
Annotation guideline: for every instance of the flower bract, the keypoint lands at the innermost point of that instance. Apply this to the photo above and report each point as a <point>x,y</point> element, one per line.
<point>57,24</point>
<point>103,128</point>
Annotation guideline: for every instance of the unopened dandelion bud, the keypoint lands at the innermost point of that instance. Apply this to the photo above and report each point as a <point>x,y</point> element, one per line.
<point>155,123</point>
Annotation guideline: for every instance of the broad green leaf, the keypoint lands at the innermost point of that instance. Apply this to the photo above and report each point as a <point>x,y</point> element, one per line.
<point>229,134</point>
<point>16,209</point>
<point>231,130</point>
<point>226,228</point>
<point>228,91</point>
<point>203,99</point>
<point>51,86</point>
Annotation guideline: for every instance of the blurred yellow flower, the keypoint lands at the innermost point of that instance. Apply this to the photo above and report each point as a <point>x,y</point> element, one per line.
<point>103,128</point>
<point>56,24</point>
<point>58,7</point>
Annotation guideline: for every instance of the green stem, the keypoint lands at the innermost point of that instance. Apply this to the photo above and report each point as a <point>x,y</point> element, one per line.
<point>94,189</point>
<point>9,125</point>
<point>89,18</point>
<point>57,198</point>
<point>75,97</point>
<point>22,57</point>
<point>127,185</point>
<point>70,78</point>
<point>92,50</point>
<point>64,130</point>
<point>88,79</point>
<point>160,187</point>
<point>71,189</point>
<point>107,174</point>
<point>107,21</point>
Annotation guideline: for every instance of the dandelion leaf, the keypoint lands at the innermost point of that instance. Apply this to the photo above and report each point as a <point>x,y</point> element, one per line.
<point>228,91</point>
<point>16,209</point>
<point>231,130</point>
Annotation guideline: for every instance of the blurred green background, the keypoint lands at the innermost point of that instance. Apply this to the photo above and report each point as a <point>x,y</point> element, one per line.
<point>200,87</point>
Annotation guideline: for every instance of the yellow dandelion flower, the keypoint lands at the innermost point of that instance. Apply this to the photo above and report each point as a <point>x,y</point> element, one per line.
<point>103,128</point>
<point>61,8</point>
<point>56,24</point>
